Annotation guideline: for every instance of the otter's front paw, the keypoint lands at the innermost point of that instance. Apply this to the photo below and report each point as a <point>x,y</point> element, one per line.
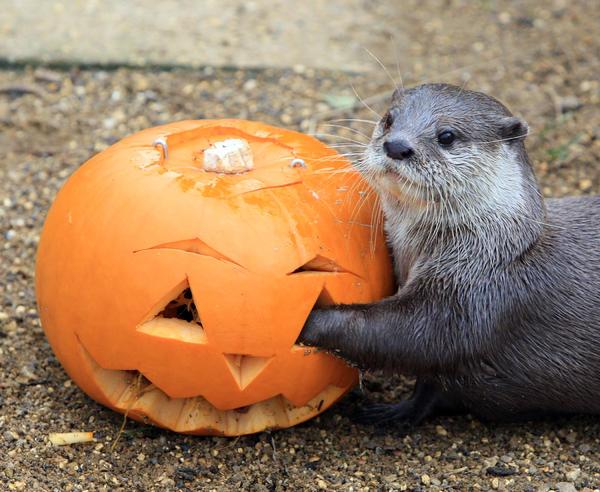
<point>314,328</point>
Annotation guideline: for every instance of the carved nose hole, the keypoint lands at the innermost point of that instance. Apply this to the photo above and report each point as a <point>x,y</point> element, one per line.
<point>245,368</point>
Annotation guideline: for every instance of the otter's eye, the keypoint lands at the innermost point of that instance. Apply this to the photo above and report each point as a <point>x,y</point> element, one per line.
<point>387,120</point>
<point>446,137</point>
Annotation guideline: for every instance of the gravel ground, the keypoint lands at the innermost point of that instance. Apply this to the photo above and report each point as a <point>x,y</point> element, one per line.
<point>536,56</point>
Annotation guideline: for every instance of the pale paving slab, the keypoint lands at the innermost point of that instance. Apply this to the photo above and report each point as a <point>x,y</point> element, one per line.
<point>330,34</point>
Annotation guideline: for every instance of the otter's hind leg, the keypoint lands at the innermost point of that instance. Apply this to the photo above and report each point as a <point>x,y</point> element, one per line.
<point>426,401</point>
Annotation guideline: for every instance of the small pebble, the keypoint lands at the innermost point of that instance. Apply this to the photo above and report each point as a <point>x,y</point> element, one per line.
<point>250,85</point>
<point>566,487</point>
<point>504,18</point>
<point>585,184</point>
<point>569,103</point>
<point>441,431</point>
<point>573,474</point>
<point>321,484</point>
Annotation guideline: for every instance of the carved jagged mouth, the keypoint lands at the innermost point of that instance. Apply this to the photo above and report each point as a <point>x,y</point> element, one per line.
<point>131,393</point>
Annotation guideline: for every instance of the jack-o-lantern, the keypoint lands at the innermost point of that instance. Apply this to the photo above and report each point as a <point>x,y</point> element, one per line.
<point>174,291</point>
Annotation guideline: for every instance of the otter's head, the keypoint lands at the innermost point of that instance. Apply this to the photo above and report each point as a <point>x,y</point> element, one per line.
<point>442,146</point>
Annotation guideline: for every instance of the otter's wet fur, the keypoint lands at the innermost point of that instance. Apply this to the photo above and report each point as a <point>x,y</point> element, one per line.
<point>498,307</point>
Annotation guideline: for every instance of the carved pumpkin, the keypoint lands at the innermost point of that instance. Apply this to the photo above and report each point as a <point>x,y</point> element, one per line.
<point>175,295</point>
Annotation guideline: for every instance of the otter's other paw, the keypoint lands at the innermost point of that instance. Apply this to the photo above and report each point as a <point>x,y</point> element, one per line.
<point>403,415</point>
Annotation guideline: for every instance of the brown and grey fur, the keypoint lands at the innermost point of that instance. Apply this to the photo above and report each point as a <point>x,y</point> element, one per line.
<point>498,307</point>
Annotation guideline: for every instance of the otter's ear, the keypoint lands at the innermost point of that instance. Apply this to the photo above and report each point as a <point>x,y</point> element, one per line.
<point>397,95</point>
<point>513,129</point>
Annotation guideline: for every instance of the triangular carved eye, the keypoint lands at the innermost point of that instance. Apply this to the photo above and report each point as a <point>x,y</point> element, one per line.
<point>194,245</point>
<point>321,264</point>
<point>178,320</point>
<point>245,368</point>
<point>182,307</point>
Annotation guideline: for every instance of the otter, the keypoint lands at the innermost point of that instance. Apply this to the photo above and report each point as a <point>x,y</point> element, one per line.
<point>497,311</point>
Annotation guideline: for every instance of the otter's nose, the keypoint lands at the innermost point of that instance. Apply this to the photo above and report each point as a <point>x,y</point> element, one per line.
<point>398,149</point>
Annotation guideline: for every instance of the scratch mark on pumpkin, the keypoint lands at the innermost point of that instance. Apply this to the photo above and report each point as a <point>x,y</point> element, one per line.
<point>268,187</point>
<point>195,246</point>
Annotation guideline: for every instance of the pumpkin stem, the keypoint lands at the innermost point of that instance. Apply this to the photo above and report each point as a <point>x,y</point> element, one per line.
<point>229,156</point>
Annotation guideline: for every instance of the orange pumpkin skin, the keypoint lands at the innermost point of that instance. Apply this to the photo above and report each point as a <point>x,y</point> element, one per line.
<point>133,229</point>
